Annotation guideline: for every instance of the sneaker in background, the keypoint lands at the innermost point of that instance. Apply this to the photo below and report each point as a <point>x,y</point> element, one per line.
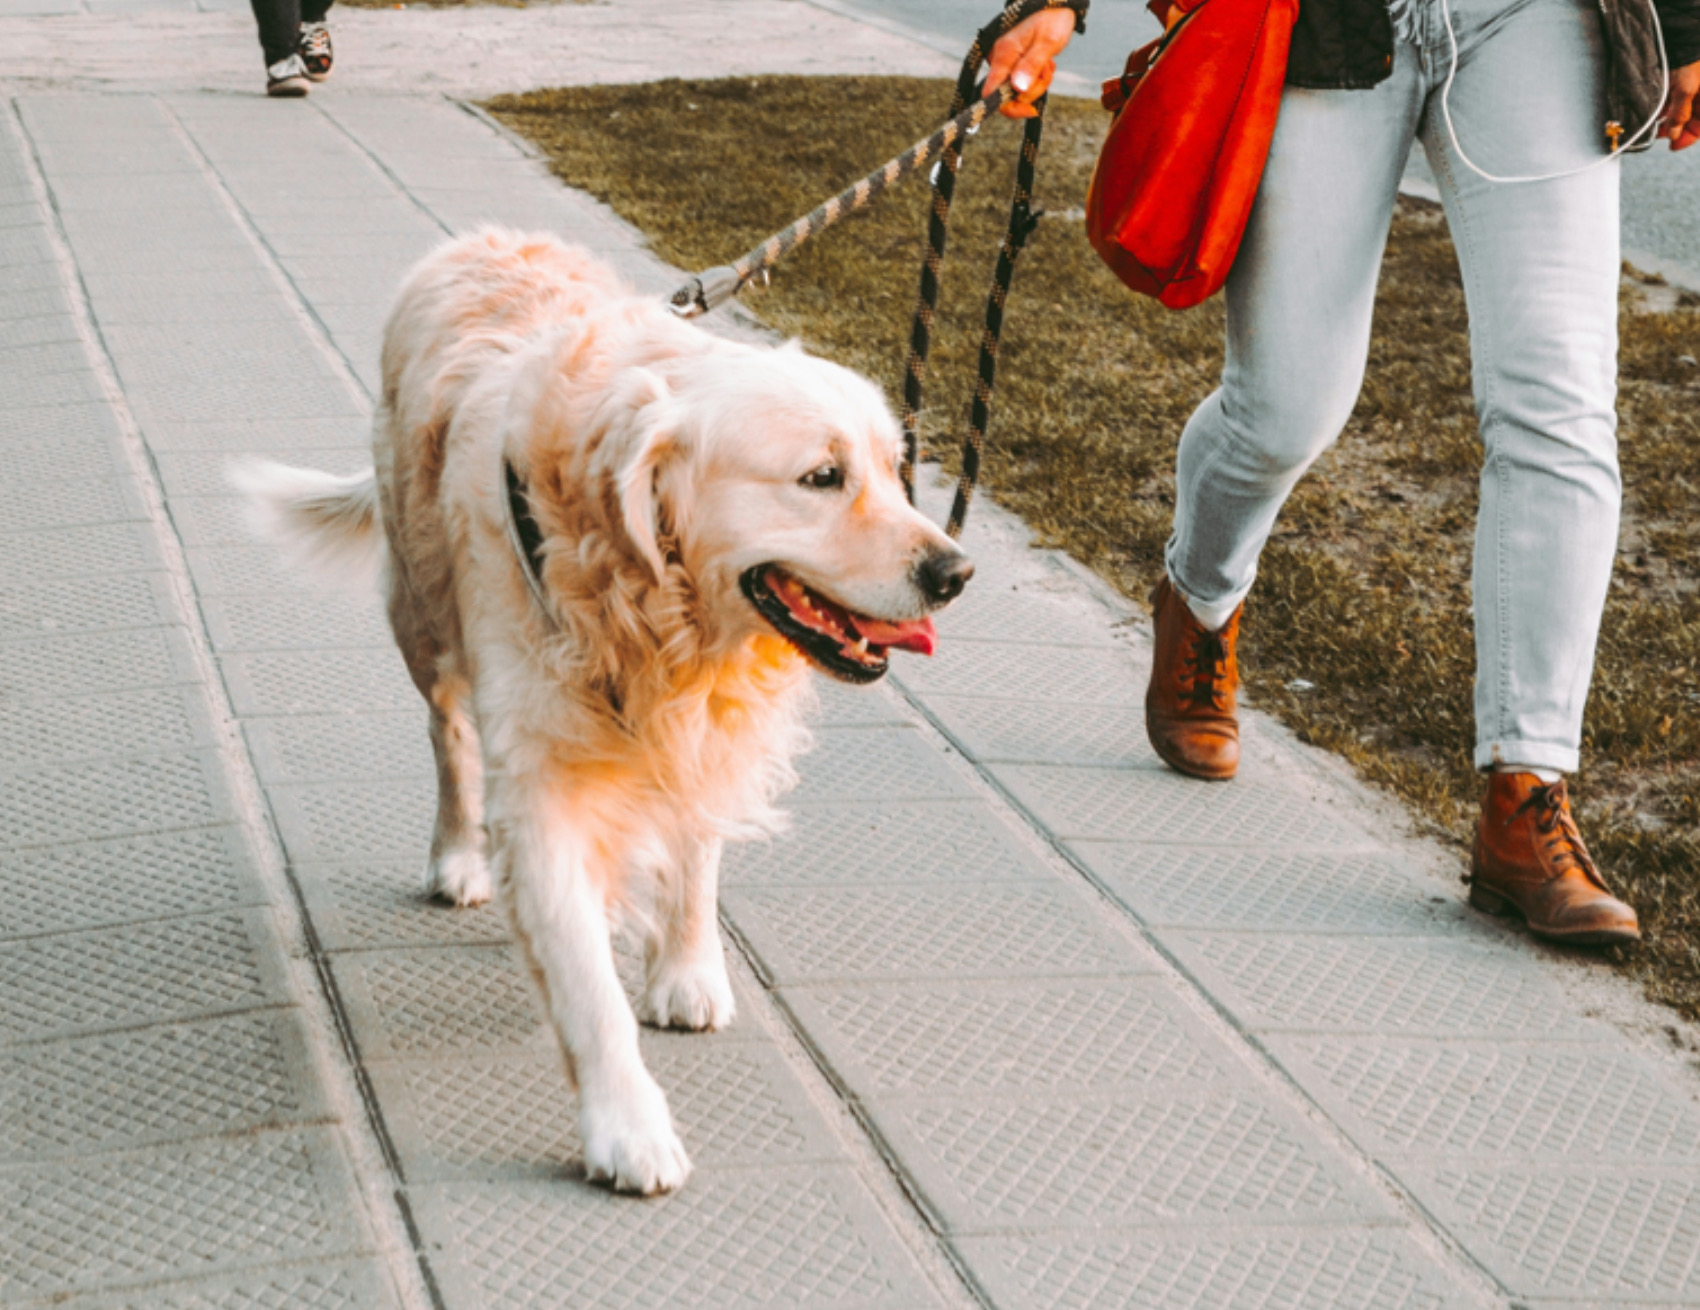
<point>287,77</point>
<point>314,47</point>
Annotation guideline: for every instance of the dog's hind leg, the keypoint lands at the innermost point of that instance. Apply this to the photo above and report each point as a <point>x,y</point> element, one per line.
<point>687,982</point>
<point>458,871</point>
<point>559,915</point>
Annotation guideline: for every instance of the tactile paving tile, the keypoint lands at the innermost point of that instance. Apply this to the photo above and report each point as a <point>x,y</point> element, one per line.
<point>94,884</point>
<point>876,764</point>
<point>840,705</point>
<point>1391,986</point>
<point>790,1238</point>
<point>337,823</point>
<point>448,1001</point>
<point>217,520</point>
<point>1617,1234</point>
<point>243,570</point>
<point>25,391</point>
<point>30,302</point>
<point>312,748</point>
<point>1035,732</point>
<point>293,440</point>
<point>37,457</point>
<point>103,248</point>
<point>1102,1161</point>
<point>170,1213</point>
<point>117,798</point>
<point>153,1084</point>
<point>942,841</point>
<point>225,389</point>
<point>297,620</point>
<point>37,330</point>
<point>1312,891</point>
<point>1090,1034</point>
<point>25,507</point>
<point>319,681</point>
<point>803,934</point>
<point>1157,806</point>
<point>361,1285</point>
<point>154,296</point>
<point>102,549</point>
<point>994,610</point>
<point>142,973</point>
<point>70,666</point>
<point>383,905</point>
<point>88,604</point>
<point>1340,1269</point>
<point>733,1102</point>
<point>82,427</point>
<point>999,670</point>
<point>144,721</point>
<point>93,799</point>
<point>1486,1099</point>
<point>208,472</point>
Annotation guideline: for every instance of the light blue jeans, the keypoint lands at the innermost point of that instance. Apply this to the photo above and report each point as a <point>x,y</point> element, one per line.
<point>1540,263</point>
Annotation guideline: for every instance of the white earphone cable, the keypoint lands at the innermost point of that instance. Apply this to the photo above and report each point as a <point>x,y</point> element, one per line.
<point>1452,132</point>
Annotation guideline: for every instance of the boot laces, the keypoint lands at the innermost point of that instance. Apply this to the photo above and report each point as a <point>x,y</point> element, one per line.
<point>1550,803</point>
<point>1208,660</point>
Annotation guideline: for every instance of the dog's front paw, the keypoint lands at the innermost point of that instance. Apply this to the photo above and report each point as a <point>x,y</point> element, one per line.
<point>459,877</point>
<point>629,1142</point>
<point>697,996</point>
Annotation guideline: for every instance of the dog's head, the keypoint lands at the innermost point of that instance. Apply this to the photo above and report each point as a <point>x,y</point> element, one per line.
<point>772,477</point>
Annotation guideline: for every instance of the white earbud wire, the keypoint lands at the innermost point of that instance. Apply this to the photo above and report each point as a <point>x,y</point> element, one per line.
<point>1452,132</point>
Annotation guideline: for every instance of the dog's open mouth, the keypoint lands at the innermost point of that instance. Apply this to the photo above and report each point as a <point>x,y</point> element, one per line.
<point>846,644</point>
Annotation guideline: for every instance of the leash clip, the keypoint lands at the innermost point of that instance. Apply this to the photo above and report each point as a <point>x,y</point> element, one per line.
<point>708,290</point>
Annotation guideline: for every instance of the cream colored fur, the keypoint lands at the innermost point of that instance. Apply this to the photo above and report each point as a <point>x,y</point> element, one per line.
<point>595,757</point>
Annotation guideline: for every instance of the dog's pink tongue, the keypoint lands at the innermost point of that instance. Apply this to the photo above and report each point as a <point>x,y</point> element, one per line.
<point>918,635</point>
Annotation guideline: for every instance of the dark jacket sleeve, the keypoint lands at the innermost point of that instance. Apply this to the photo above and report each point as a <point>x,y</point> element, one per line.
<point>1680,20</point>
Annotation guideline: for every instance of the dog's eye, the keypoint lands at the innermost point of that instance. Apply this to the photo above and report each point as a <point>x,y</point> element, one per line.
<point>828,477</point>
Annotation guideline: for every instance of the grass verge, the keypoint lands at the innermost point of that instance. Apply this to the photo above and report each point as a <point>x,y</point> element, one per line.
<point>1358,634</point>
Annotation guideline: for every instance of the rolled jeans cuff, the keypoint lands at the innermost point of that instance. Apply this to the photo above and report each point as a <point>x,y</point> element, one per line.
<point>1529,754</point>
<point>1213,615</point>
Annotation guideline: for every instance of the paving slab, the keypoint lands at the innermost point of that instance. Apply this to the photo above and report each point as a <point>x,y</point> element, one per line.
<point>1025,1019</point>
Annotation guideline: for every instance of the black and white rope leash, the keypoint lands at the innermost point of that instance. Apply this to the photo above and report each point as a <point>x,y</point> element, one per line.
<point>715,286</point>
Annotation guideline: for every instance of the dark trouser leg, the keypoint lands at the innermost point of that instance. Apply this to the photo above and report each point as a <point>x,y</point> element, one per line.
<point>280,27</point>
<point>314,11</point>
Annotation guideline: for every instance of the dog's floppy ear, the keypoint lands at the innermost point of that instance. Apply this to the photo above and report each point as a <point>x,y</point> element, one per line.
<point>645,407</point>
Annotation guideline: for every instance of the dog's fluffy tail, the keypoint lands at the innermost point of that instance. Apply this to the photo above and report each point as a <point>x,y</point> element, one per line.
<point>323,522</point>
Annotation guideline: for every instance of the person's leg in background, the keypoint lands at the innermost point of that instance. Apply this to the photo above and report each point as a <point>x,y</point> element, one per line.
<point>296,44</point>
<point>1541,264</point>
<point>315,43</point>
<point>1299,301</point>
<point>279,22</point>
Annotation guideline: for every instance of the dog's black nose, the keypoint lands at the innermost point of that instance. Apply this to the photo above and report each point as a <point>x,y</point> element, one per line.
<point>943,574</point>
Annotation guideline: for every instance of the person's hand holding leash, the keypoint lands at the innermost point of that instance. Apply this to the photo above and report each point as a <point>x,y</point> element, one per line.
<point>1680,125</point>
<point>1026,57</point>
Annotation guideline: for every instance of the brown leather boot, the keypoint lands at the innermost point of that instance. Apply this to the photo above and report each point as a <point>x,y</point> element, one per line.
<point>1189,706</point>
<point>1529,860</point>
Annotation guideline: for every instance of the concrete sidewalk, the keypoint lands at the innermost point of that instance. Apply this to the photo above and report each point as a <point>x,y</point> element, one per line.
<point>1025,1020</point>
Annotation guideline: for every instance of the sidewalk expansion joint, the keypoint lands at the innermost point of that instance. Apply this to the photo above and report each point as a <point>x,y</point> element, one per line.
<point>317,330</point>
<point>852,1104</point>
<point>389,173</point>
<point>253,807</point>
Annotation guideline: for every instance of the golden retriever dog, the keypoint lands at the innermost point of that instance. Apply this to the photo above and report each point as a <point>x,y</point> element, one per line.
<point>613,545</point>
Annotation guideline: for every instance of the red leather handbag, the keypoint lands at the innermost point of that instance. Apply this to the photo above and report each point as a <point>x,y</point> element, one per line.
<point>1194,114</point>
